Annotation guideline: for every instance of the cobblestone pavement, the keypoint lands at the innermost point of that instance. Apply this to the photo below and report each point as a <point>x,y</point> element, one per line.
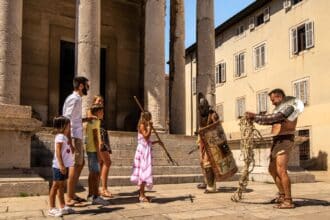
<point>184,201</point>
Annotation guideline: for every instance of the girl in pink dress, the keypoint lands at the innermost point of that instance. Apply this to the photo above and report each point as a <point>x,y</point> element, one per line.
<point>142,167</point>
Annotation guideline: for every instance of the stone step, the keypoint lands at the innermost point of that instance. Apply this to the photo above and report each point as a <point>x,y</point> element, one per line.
<point>21,182</point>
<point>158,179</point>
<point>156,170</point>
<point>46,172</point>
<point>123,145</point>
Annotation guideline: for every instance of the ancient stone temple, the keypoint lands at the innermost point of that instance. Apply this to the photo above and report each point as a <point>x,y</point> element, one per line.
<point>109,42</point>
<point>117,44</point>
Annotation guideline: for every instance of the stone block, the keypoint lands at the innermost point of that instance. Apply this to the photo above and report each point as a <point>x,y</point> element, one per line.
<point>15,111</point>
<point>16,128</point>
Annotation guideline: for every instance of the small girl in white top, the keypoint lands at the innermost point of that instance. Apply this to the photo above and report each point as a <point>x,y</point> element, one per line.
<point>63,159</point>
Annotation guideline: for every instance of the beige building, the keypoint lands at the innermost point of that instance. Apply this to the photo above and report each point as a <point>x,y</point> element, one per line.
<point>272,44</point>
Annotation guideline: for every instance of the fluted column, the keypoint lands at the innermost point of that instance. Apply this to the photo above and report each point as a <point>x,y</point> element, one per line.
<point>11,13</point>
<point>177,68</point>
<point>154,61</point>
<point>205,50</point>
<point>88,37</point>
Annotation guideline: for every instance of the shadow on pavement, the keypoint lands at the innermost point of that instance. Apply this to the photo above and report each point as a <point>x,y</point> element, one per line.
<point>99,210</point>
<point>134,193</point>
<point>299,202</point>
<point>172,199</point>
<point>232,189</point>
<point>135,199</point>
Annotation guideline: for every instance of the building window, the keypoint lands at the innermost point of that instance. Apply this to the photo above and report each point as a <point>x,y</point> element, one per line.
<point>239,64</point>
<point>260,56</point>
<point>301,90</point>
<point>302,37</point>
<point>262,102</point>
<point>193,86</point>
<point>304,147</point>
<point>240,107</point>
<point>240,30</point>
<point>287,3</point>
<point>260,18</point>
<point>220,73</point>
<point>219,110</point>
<point>296,1</point>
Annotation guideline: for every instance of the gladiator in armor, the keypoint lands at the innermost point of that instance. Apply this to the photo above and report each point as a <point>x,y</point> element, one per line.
<point>216,159</point>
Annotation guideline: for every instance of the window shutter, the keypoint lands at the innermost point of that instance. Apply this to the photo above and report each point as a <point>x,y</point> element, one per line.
<point>309,32</point>
<point>223,73</point>
<point>236,65</point>
<point>257,55</point>
<point>306,91</point>
<point>251,23</point>
<point>263,55</point>
<point>264,102</point>
<point>241,68</point>
<point>296,90</point>
<point>294,42</point>
<point>266,14</point>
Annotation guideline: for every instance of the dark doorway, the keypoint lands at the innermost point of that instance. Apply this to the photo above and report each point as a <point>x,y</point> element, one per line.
<point>67,59</point>
<point>67,62</point>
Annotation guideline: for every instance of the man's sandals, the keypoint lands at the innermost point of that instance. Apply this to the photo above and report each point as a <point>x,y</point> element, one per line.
<point>75,202</point>
<point>285,204</point>
<point>106,193</point>
<point>279,199</point>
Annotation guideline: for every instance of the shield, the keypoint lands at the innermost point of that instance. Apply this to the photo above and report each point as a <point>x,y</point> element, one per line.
<point>213,140</point>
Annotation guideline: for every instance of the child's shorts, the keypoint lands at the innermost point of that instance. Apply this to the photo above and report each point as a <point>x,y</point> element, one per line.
<point>93,162</point>
<point>58,176</point>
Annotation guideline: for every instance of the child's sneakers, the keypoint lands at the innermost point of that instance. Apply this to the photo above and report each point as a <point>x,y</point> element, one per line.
<point>55,212</point>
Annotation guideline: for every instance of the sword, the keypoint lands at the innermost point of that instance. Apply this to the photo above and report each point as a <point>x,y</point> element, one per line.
<point>155,132</point>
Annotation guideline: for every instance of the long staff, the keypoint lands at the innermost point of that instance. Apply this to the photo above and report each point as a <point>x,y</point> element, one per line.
<point>155,132</point>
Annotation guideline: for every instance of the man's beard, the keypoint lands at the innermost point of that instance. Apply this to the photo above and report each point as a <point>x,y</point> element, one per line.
<point>84,91</point>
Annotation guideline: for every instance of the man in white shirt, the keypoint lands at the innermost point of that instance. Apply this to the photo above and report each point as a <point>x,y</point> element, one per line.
<point>72,109</point>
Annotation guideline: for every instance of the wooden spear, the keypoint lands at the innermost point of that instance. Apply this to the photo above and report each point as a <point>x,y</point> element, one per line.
<point>155,132</point>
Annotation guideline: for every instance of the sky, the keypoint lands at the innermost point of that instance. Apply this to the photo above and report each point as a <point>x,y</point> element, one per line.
<point>223,10</point>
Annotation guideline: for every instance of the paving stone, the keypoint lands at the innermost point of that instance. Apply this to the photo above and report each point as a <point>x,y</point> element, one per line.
<point>22,215</point>
<point>194,214</point>
<point>184,201</point>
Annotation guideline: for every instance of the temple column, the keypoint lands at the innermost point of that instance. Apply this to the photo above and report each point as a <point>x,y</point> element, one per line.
<point>206,50</point>
<point>88,41</point>
<point>177,68</point>
<point>11,13</point>
<point>154,62</point>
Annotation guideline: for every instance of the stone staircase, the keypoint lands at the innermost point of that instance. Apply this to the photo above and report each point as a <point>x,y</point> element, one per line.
<point>123,146</point>
<point>21,182</point>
